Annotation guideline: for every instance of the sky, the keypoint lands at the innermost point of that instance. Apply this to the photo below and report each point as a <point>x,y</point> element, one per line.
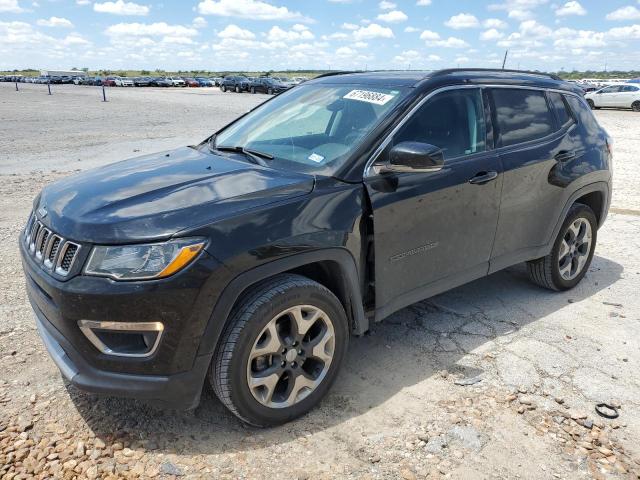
<point>256,35</point>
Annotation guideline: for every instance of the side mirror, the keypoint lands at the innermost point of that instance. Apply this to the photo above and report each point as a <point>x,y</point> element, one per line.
<point>414,157</point>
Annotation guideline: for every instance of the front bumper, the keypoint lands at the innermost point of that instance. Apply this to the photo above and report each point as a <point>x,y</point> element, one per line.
<point>180,391</point>
<point>174,374</point>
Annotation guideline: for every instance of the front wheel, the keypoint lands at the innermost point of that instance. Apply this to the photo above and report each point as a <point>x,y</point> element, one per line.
<point>270,91</point>
<point>281,351</point>
<point>253,89</point>
<point>592,105</point>
<point>635,106</point>
<point>223,88</point>
<point>571,254</point>
<point>237,89</point>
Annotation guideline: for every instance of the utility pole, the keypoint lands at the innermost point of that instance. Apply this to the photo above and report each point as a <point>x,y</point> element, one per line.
<point>504,61</point>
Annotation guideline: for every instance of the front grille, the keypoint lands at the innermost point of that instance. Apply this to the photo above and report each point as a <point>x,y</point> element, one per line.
<point>52,251</point>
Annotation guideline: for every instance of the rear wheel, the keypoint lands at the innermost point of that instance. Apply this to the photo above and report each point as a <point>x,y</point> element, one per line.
<point>281,351</point>
<point>223,88</point>
<point>270,91</point>
<point>635,106</point>
<point>572,252</point>
<point>237,89</point>
<point>253,89</point>
<point>591,104</point>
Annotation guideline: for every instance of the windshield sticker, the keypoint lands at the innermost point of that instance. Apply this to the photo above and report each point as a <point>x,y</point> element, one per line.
<point>369,97</point>
<point>314,157</point>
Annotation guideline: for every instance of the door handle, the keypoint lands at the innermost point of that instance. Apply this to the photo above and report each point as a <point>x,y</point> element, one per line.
<point>483,177</point>
<point>565,155</point>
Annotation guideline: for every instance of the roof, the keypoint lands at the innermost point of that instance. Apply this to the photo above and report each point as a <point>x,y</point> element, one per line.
<point>439,78</point>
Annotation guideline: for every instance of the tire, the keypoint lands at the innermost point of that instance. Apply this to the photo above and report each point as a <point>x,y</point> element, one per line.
<point>635,106</point>
<point>237,89</point>
<point>270,91</point>
<point>563,269</point>
<point>264,321</point>
<point>592,105</point>
<point>223,88</point>
<point>253,90</point>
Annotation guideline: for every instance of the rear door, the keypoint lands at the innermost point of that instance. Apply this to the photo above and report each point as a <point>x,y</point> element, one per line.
<point>628,95</point>
<point>435,230</point>
<point>531,143</point>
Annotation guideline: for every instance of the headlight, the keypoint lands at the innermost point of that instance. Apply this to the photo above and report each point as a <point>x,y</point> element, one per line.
<point>145,261</point>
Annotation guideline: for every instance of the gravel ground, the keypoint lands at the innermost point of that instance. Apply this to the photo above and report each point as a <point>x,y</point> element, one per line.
<point>495,379</point>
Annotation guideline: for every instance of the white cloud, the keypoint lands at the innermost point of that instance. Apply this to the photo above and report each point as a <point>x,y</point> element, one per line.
<point>345,52</point>
<point>233,31</point>
<point>407,56</point>
<point>199,22</point>
<point>250,9</point>
<point>423,3</point>
<point>120,7</point>
<point>411,29</point>
<point>149,29</point>
<point>462,20</point>
<point>11,6</point>
<point>277,34</point>
<point>532,28</point>
<point>83,2</point>
<point>491,34</point>
<point>571,8</point>
<point>372,30</point>
<point>462,60</point>
<point>75,39</point>
<point>360,45</point>
<point>624,13</point>
<point>494,23</point>
<point>350,26</point>
<point>393,16</point>
<point>386,5</point>
<point>518,9</point>
<point>55,22</point>
<point>433,39</point>
<point>624,33</point>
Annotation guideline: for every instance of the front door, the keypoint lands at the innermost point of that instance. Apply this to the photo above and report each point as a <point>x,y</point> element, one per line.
<point>433,231</point>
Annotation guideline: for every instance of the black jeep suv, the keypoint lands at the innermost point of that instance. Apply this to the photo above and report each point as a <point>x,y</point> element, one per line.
<point>249,260</point>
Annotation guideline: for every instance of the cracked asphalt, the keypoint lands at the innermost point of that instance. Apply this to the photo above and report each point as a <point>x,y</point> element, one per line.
<point>495,379</point>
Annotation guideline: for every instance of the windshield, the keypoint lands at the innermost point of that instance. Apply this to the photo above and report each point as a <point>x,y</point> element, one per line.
<point>312,128</point>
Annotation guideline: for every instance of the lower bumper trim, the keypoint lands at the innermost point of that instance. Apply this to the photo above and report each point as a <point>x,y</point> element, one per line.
<point>180,391</point>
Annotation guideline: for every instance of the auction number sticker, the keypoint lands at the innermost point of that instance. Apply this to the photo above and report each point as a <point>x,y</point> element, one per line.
<point>368,96</point>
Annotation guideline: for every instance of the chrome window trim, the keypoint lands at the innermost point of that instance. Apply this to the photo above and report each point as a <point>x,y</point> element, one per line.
<point>369,171</point>
<point>87,326</point>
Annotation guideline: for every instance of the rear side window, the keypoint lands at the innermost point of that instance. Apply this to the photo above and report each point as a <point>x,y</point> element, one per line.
<point>562,114</point>
<point>522,115</point>
<point>584,114</point>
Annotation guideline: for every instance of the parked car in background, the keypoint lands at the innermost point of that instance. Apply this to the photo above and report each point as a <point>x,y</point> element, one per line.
<point>123,81</point>
<point>205,82</point>
<point>616,96</point>
<point>176,81</point>
<point>109,82</point>
<point>235,83</point>
<point>267,85</point>
<point>190,82</point>
<point>161,82</point>
<point>299,80</point>
<point>216,80</point>
<point>142,81</point>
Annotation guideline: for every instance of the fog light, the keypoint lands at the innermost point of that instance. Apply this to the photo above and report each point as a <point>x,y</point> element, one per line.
<point>123,339</point>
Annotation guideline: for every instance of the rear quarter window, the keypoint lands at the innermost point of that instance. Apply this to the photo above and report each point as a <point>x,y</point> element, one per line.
<point>521,115</point>
<point>583,114</point>
<point>560,108</point>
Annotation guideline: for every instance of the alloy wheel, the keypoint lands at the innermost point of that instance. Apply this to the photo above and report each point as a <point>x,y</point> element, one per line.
<point>291,356</point>
<point>575,248</point>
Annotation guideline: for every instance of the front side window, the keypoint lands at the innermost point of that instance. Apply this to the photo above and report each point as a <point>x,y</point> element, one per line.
<point>612,89</point>
<point>452,121</point>
<point>521,115</point>
<point>313,128</point>
<point>629,88</point>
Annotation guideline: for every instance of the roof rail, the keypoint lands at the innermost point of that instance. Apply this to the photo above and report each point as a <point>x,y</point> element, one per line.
<point>339,72</point>
<point>495,70</point>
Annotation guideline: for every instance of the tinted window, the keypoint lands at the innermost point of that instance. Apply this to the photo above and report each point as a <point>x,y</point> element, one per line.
<point>562,114</point>
<point>522,115</point>
<point>583,113</point>
<point>613,89</point>
<point>452,121</point>
<point>629,88</point>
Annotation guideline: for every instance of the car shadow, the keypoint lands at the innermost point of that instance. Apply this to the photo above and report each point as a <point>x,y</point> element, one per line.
<point>410,346</point>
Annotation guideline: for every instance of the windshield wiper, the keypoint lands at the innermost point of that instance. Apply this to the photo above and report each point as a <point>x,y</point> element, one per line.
<point>255,156</point>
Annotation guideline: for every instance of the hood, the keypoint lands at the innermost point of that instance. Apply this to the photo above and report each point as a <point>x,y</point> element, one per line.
<point>155,196</point>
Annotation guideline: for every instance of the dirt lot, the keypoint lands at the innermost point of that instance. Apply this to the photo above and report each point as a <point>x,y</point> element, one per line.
<point>532,364</point>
